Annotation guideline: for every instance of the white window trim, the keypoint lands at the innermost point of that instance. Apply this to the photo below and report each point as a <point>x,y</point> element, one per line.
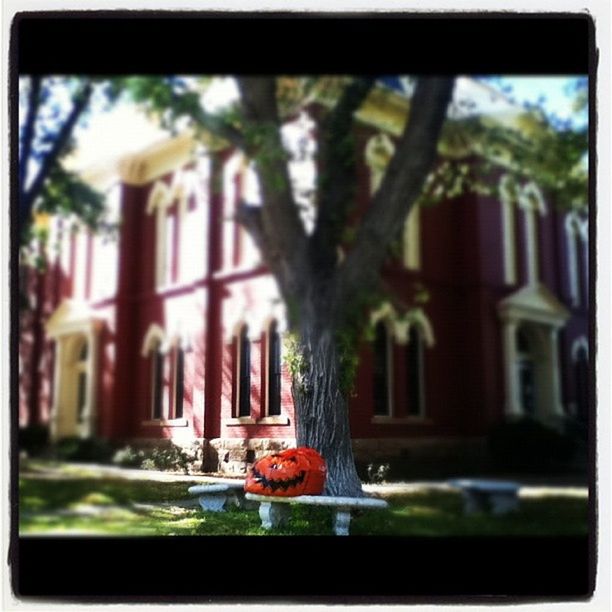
<point>236,404</point>
<point>531,201</point>
<point>266,407</point>
<point>421,363</point>
<point>508,195</point>
<point>160,200</point>
<point>412,239</point>
<point>575,232</point>
<point>155,338</point>
<point>154,334</point>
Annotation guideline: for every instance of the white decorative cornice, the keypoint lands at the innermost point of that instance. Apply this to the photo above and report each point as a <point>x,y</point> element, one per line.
<point>73,316</point>
<point>157,160</point>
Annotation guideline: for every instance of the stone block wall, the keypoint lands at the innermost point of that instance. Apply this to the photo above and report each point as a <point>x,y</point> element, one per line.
<point>233,456</point>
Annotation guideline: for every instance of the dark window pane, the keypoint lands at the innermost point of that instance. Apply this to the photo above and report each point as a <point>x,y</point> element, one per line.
<point>157,381</point>
<point>82,394</point>
<point>179,382</point>
<point>527,386</point>
<point>415,372</point>
<point>381,371</point>
<point>274,372</point>
<point>244,403</point>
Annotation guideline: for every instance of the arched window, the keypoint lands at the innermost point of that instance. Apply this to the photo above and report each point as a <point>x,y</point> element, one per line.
<point>415,372</point>
<point>381,370</point>
<point>81,369</point>
<point>274,370</point>
<point>157,379</point>
<point>179,376</point>
<point>244,373</point>
<point>576,236</point>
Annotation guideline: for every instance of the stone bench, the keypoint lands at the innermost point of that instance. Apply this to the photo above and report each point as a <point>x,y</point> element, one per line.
<point>479,495</point>
<point>214,497</point>
<point>276,511</point>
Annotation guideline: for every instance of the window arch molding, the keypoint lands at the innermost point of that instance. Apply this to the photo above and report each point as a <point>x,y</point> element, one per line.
<point>399,325</point>
<point>576,232</point>
<point>580,344</point>
<point>531,198</point>
<point>154,337</point>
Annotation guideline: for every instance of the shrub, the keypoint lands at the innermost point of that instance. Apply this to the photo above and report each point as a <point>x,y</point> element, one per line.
<point>148,464</point>
<point>166,458</point>
<point>128,457</point>
<point>529,446</point>
<point>83,450</point>
<point>33,439</point>
<point>172,458</point>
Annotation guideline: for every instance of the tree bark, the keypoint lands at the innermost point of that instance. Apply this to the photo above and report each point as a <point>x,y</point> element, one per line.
<point>321,407</point>
<point>319,396</point>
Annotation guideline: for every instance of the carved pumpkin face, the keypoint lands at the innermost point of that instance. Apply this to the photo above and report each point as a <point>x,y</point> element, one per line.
<point>295,471</point>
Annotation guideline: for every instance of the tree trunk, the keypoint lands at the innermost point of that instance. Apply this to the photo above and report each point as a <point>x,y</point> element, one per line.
<point>322,419</point>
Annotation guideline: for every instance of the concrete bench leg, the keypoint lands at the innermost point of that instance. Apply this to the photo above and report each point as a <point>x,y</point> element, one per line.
<point>501,504</point>
<point>212,503</point>
<point>273,515</point>
<point>474,502</point>
<point>342,521</point>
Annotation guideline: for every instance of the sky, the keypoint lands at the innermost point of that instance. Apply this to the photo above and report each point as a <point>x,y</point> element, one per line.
<point>558,98</point>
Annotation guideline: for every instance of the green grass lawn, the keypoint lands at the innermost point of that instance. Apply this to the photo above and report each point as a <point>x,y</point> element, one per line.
<point>75,501</point>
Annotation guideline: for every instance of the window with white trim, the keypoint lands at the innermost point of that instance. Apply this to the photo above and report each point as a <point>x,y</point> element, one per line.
<point>576,241</point>
<point>382,370</point>
<point>243,379</point>
<point>274,370</point>
<point>81,372</point>
<point>170,206</point>
<point>156,364</point>
<point>415,375</point>
<point>178,381</point>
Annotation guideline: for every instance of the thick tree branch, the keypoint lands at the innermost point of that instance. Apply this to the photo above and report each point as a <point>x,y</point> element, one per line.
<point>337,183</point>
<point>280,222</point>
<point>80,103</point>
<point>400,187</point>
<point>28,132</point>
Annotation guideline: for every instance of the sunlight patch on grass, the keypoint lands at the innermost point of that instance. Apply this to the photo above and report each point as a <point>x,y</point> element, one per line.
<point>97,498</point>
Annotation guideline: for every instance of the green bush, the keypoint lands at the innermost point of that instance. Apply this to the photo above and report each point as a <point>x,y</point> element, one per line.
<point>172,458</point>
<point>87,450</point>
<point>529,446</point>
<point>34,439</point>
<point>128,457</point>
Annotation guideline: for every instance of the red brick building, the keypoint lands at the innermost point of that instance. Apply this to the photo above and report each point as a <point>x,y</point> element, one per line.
<point>174,329</point>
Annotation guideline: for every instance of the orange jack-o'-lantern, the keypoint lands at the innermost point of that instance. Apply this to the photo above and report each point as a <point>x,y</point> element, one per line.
<point>295,471</point>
